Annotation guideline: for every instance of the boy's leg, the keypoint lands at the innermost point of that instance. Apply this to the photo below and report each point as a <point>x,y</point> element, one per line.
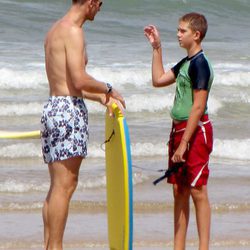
<point>64,178</point>
<point>203,215</point>
<point>181,215</point>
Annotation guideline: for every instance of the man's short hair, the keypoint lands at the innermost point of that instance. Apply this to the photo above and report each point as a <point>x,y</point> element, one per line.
<point>197,22</point>
<point>78,1</point>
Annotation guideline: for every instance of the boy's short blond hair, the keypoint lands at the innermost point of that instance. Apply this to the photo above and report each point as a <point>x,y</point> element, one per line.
<point>197,22</point>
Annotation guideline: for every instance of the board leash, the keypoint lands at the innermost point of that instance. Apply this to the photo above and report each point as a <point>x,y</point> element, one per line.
<point>168,172</point>
<point>108,140</point>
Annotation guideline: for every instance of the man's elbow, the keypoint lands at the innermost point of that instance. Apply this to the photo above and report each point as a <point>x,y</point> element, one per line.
<point>80,83</point>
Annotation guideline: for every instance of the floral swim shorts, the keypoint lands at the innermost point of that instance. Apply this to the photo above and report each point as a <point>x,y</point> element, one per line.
<point>64,128</point>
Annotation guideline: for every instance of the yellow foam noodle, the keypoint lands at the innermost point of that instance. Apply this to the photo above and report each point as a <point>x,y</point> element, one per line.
<point>19,134</point>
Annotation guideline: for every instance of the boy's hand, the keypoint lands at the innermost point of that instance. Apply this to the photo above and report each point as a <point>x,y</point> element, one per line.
<point>179,153</point>
<point>153,36</point>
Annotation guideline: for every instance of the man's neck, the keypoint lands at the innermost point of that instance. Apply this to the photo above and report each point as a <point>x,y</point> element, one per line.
<point>76,15</point>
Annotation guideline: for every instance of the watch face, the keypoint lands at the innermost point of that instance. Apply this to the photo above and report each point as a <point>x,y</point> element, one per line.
<point>109,86</point>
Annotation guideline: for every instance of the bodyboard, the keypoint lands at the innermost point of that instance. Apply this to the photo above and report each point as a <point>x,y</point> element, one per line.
<point>119,182</point>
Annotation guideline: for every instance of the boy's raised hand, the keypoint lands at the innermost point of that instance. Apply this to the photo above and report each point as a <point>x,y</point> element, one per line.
<point>153,36</point>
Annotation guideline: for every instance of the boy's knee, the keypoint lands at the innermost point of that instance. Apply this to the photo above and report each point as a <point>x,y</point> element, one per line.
<point>199,193</point>
<point>180,191</point>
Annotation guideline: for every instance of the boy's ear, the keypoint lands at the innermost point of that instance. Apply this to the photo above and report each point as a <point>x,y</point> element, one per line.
<point>197,35</point>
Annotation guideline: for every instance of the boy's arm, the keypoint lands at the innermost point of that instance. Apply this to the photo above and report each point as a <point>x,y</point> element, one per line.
<point>199,105</point>
<point>160,78</point>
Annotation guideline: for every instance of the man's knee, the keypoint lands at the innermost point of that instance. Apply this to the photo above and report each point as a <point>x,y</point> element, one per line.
<point>66,186</point>
<point>71,184</point>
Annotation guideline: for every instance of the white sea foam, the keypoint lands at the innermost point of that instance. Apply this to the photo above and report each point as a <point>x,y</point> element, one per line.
<point>214,105</point>
<point>232,149</point>
<point>35,77</point>
<point>31,108</point>
<point>135,103</point>
<point>15,186</point>
<point>232,78</point>
<point>29,79</point>
<point>120,76</point>
<point>21,150</point>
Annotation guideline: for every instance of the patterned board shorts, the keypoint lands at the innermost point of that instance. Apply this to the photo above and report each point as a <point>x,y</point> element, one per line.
<point>64,128</point>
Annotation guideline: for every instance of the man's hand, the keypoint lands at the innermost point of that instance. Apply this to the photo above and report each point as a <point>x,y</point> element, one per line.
<point>153,36</point>
<point>113,97</point>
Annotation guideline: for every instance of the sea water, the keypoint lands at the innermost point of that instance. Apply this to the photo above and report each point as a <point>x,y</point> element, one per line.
<point>119,53</point>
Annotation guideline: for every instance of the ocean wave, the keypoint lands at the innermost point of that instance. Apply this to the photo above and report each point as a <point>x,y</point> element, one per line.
<point>138,206</point>
<point>15,186</point>
<point>16,79</point>
<point>138,103</point>
<point>231,149</point>
<point>34,77</point>
<point>29,150</point>
<point>21,109</point>
<point>241,79</point>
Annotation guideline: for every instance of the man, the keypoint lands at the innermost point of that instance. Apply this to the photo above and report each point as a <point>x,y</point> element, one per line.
<point>64,123</point>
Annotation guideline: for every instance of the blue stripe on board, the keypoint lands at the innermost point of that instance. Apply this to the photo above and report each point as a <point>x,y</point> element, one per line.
<point>127,138</point>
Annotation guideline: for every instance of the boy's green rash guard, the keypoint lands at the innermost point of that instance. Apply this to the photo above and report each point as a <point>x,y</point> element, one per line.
<point>190,73</point>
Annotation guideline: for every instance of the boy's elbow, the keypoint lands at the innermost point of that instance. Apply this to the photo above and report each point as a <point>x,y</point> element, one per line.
<point>155,84</point>
<point>199,109</point>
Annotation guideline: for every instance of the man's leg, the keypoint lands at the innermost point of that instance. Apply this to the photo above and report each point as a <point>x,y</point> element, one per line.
<point>45,221</point>
<point>181,215</point>
<point>64,178</point>
<point>203,215</point>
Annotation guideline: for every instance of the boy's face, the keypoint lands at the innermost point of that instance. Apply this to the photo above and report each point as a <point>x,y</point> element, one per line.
<point>186,36</point>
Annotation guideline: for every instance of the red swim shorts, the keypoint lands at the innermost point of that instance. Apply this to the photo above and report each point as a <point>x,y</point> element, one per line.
<point>194,171</point>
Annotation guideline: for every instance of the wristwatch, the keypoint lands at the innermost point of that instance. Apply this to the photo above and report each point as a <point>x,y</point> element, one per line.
<point>109,87</point>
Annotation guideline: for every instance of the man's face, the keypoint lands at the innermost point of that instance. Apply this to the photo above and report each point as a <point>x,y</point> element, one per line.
<point>185,35</point>
<point>95,6</point>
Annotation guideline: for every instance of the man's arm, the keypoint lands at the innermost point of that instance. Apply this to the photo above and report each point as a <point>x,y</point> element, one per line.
<point>76,64</point>
<point>75,56</point>
<point>94,97</point>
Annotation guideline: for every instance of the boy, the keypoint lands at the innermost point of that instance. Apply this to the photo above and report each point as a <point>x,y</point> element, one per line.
<point>191,137</point>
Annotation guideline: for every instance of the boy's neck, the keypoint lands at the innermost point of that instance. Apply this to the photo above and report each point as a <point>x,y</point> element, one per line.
<point>194,50</point>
